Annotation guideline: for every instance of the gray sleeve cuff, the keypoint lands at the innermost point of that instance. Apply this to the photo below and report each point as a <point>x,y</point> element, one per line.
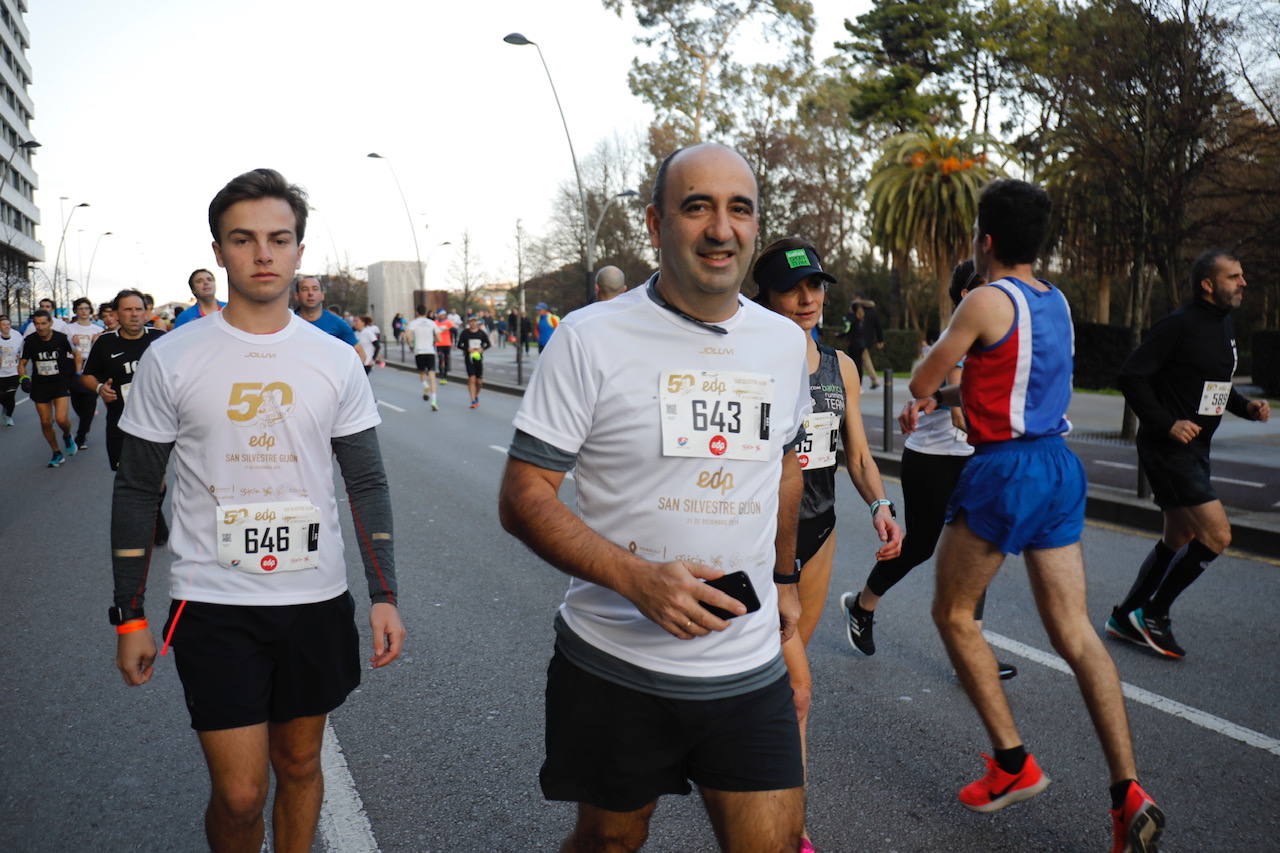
<point>537,452</point>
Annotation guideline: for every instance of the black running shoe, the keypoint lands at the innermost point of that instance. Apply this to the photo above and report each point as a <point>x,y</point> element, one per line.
<point>162,528</point>
<point>1118,626</point>
<point>1006,670</point>
<point>858,622</point>
<point>1158,632</point>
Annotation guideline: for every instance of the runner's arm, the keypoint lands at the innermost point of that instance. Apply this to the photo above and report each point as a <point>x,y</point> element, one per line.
<point>529,507</point>
<point>1141,366</point>
<point>360,460</point>
<point>138,490</point>
<point>983,310</point>
<point>790,490</point>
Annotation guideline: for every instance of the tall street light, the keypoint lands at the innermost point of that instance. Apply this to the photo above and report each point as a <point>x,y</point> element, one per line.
<point>89,275</point>
<point>58,258</point>
<point>412,228</point>
<point>518,39</point>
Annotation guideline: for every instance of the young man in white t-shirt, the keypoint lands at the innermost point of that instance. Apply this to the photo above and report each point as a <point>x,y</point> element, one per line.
<point>423,335</point>
<point>255,403</point>
<point>10,353</point>
<point>680,404</point>
<point>82,332</point>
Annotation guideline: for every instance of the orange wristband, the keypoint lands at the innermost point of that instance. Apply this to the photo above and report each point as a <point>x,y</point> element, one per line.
<point>131,626</point>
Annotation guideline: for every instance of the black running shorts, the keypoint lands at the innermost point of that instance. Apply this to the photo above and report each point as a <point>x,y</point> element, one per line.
<point>241,665</point>
<point>47,392</point>
<point>474,367</point>
<point>812,534</point>
<point>426,362</point>
<point>619,749</point>
<point>1178,473</point>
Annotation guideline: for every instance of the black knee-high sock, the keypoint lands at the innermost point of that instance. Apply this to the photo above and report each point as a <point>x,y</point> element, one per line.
<point>1149,577</point>
<point>1187,566</point>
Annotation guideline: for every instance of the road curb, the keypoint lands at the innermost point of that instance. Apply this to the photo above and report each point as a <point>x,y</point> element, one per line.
<point>1102,504</point>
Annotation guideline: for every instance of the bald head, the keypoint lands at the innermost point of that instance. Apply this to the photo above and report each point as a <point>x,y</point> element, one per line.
<point>609,283</point>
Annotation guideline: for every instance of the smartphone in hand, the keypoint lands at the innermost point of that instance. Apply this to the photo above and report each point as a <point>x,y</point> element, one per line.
<point>738,585</point>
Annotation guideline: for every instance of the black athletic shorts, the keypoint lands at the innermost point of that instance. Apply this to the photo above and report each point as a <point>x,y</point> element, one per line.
<point>243,665</point>
<point>426,361</point>
<point>1178,473</point>
<point>474,368</point>
<point>619,749</point>
<point>812,533</point>
<point>47,392</point>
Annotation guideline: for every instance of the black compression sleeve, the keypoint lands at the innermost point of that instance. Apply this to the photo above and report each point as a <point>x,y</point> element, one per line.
<point>360,460</point>
<point>139,488</point>
<point>1238,405</point>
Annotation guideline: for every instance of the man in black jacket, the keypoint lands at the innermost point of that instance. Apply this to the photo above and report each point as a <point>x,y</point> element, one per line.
<point>1178,382</point>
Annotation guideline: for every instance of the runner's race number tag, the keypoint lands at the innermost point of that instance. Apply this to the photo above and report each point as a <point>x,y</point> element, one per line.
<point>818,450</point>
<point>1214,399</point>
<point>47,368</point>
<point>473,343</point>
<point>8,359</point>
<point>124,391</point>
<point>268,538</point>
<point>715,414</point>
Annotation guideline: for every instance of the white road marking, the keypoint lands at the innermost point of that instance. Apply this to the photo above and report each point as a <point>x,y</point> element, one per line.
<point>1239,482</point>
<point>567,474</point>
<point>1113,464</point>
<point>1154,700</point>
<point>389,406</point>
<point>344,827</point>
<point>20,402</point>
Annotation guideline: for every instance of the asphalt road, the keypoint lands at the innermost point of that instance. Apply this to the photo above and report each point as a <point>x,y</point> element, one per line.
<point>443,747</point>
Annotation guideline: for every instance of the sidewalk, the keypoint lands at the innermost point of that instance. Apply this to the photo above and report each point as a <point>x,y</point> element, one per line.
<point>1094,417</point>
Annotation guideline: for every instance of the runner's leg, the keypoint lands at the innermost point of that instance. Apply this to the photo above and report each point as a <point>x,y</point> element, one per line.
<point>756,821</point>
<point>45,411</point>
<point>295,757</point>
<point>61,415</point>
<point>238,773</point>
<point>1058,582</point>
<point>965,566</point>
<point>602,831</point>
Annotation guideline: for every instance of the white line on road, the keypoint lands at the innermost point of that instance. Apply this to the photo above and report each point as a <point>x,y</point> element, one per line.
<point>1113,464</point>
<point>344,827</point>
<point>389,406</point>
<point>1239,482</point>
<point>1154,700</point>
<point>568,474</point>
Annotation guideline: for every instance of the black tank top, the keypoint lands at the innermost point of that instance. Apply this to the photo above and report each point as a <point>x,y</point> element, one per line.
<point>827,389</point>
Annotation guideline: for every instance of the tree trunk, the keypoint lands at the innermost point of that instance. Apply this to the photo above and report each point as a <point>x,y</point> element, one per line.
<point>1102,310</point>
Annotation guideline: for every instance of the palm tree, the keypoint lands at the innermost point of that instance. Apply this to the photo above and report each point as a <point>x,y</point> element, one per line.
<point>924,197</point>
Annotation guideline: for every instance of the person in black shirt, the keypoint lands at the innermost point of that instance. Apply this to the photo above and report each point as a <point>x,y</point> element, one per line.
<point>473,342</point>
<point>114,357</point>
<point>52,360</point>
<point>1178,383</point>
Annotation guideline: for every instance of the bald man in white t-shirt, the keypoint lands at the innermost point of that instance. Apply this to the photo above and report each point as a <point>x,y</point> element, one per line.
<point>679,403</point>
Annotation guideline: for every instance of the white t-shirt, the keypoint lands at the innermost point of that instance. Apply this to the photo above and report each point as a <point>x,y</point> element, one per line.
<point>596,392</point>
<point>377,333</point>
<point>59,325</point>
<point>252,418</point>
<point>10,353</point>
<point>424,335</point>
<point>937,436</point>
<point>82,337</point>
<point>365,338</point>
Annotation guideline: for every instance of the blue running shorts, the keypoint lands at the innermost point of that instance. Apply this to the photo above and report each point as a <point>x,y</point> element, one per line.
<point>1024,493</point>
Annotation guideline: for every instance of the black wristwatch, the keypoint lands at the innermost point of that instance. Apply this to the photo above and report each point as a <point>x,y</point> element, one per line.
<point>117,615</point>
<point>794,577</point>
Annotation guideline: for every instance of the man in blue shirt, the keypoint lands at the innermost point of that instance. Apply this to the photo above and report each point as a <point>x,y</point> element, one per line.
<point>204,290</point>
<point>310,295</point>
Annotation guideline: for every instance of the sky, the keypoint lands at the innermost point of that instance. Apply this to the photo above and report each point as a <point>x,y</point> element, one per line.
<point>144,110</point>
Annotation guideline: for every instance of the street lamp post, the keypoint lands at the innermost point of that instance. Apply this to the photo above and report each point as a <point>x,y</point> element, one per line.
<point>58,258</point>
<point>412,228</point>
<point>595,232</point>
<point>89,275</point>
<point>518,39</point>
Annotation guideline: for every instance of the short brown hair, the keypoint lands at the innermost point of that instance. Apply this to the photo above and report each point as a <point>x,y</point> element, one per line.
<point>259,183</point>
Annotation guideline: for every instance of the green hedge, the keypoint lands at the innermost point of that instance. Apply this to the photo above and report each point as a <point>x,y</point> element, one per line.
<point>1266,361</point>
<point>901,348</point>
<point>1100,350</point>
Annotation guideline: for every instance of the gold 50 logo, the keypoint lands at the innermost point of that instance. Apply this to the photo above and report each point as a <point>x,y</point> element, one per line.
<point>267,404</point>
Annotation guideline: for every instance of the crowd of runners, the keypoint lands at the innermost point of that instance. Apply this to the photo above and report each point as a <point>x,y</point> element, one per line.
<point>680,652</point>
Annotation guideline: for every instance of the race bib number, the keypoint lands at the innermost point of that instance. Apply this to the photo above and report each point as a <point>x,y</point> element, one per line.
<point>268,538</point>
<point>1213,401</point>
<point>818,450</point>
<point>8,359</point>
<point>715,414</point>
<point>473,344</point>
<point>84,343</point>
<point>46,368</point>
<point>124,391</point>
